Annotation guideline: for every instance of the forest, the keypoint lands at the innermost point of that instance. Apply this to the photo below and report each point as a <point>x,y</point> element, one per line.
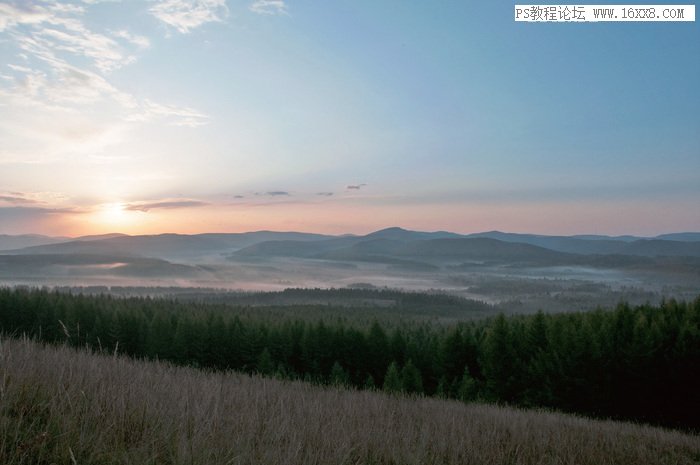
<point>639,363</point>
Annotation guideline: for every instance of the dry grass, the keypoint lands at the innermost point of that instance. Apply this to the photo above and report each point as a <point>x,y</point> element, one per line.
<point>62,406</point>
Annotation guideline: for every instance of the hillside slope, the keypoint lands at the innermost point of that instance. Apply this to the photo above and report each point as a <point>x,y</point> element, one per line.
<point>63,406</point>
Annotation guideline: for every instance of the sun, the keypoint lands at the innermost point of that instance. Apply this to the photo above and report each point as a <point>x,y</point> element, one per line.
<point>114,215</point>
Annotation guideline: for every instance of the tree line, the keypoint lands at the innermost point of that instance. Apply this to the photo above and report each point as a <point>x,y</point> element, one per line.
<point>637,363</point>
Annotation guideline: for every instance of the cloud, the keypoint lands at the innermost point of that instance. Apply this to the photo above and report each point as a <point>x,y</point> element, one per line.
<point>179,116</point>
<point>355,187</point>
<point>185,15</point>
<point>273,193</point>
<point>39,199</point>
<point>140,41</point>
<point>164,204</point>
<point>65,68</point>
<point>269,7</point>
<point>19,212</point>
<point>11,15</point>
<point>16,199</point>
<point>64,84</point>
<point>325,194</point>
<point>72,37</point>
<point>58,29</point>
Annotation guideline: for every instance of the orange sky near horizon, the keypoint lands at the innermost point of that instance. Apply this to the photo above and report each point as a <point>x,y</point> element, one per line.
<point>336,217</point>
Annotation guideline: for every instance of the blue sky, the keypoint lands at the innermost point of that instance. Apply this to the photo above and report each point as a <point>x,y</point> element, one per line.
<point>213,115</point>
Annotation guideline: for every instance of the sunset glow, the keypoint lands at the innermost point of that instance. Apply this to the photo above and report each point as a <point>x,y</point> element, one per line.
<point>114,216</point>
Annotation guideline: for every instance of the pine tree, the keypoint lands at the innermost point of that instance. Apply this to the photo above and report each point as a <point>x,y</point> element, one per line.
<point>160,337</point>
<point>537,334</point>
<point>397,346</point>
<point>392,379</point>
<point>498,361</point>
<point>339,376</point>
<point>467,390</point>
<point>265,365</point>
<point>369,383</point>
<point>442,390</point>
<point>452,354</point>
<point>377,352</point>
<point>411,379</point>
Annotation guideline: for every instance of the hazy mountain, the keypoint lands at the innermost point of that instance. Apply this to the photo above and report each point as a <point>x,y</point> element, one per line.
<point>382,246</point>
<point>440,250</point>
<point>482,249</point>
<point>604,245</point>
<point>27,240</point>
<point>578,245</point>
<point>375,250</point>
<point>400,234</point>
<point>684,237</point>
<point>294,248</point>
<point>166,246</point>
<point>536,271</point>
<point>598,237</point>
<point>422,251</point>
<point>43,265</point>
<point>662,248</point>
<point>97,237</point>
<point>394,247</point>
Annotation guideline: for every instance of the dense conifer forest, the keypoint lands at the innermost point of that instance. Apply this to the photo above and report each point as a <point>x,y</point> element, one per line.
<point>637,363</point>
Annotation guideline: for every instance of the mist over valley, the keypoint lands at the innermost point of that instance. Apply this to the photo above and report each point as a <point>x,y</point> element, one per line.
<point>523,271</point>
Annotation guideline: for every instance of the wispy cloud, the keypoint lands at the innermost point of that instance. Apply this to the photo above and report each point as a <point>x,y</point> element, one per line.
<point>62,84</point>
<point>52,29</point>
<point>11,15</point>
<point>39,199</point>
<point>355,187</point>
<point>16,199</point>
<point>269,7</point>
<point>274,193</point>
<point>14,213</point>
<point>179,116</point>
<point>325,194</point>
<point>53,39</point>
<point>140,41</point>
<point>164,204</point>
<point>59,87</point>
<point>185,15</point>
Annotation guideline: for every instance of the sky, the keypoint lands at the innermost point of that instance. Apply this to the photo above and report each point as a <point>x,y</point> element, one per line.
<point>192,116</point>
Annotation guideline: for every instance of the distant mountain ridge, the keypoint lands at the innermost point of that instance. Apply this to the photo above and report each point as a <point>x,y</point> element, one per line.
<point>684,236</point>
<point>400,234</point>
<point>391,245</point>
<point>166,246</point>
<point>8,242</point>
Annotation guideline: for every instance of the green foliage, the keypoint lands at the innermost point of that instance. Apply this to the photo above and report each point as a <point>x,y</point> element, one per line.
<point>369,383</point>
<point>467,390</point>
<point>264,364</point>
<point>339,377</point>
<point>638,363</point>
<point>499,361</point>
<point>392,381</point>
<point>411,380</point>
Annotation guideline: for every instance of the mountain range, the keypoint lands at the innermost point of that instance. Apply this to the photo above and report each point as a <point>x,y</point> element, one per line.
<point>188,255</point>
<point>390,241</point>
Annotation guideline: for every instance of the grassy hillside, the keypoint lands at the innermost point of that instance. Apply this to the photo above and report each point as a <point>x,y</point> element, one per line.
<point>631,363</point>
<point>58,405</point>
